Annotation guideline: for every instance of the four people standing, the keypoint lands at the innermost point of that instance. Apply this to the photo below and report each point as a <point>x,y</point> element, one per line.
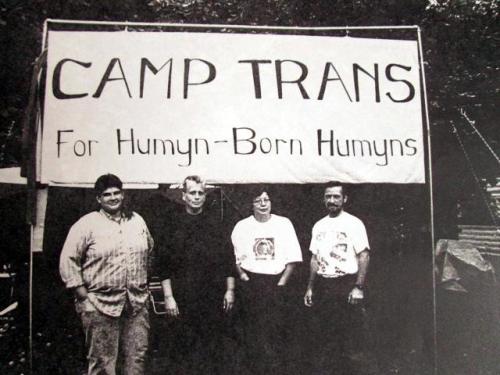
<point>105,262</point>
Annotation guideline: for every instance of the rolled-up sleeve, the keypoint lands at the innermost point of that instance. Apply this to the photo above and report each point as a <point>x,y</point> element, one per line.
<point>70,262</point>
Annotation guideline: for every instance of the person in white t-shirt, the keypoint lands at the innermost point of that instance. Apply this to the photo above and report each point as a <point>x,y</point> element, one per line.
<point>266,249</point>
<point>336,286</point>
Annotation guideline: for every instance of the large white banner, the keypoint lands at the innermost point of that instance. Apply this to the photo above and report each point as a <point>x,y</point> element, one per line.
<point>235,108</point>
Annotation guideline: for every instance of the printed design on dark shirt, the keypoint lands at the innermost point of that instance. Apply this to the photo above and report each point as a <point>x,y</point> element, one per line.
<point>263,248</point>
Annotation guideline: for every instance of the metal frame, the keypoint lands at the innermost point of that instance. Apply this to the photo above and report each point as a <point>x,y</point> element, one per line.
<point>222,27</point>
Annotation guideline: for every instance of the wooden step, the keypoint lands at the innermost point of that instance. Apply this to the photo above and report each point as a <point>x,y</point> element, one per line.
<point>493,189</point>
<point>478,233</point>
<point>479,237</point>
<point>479,227</point>
<point>483,245</point>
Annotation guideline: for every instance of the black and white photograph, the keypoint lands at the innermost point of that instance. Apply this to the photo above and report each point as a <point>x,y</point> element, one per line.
<point>198,187</point>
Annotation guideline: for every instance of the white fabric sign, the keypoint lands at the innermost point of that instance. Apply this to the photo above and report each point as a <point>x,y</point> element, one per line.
<point>234,108</point>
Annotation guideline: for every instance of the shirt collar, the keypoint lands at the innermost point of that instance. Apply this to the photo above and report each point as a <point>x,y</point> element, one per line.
<point>116,220</point>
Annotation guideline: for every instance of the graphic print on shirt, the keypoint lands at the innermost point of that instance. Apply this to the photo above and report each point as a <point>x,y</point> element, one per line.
<point>336,251</point>
<point>263,248</point>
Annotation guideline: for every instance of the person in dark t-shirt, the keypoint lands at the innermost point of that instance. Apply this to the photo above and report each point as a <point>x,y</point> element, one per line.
<point>196,267</point>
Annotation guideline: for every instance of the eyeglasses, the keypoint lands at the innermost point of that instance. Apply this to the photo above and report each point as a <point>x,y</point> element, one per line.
<point>261,200</point>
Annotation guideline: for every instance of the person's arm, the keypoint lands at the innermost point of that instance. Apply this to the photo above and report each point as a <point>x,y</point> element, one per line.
<point>168,295</point>
<point>293,253</point>
<point>167,263</point>
<point>313,271</point>
<point>228,261</point>
<point>151,253</point>
<point>238,243</point>
<point>357,293</point>
<point>363,262</point>
<point>229,295</point>
<point>70,262</point>
<point>241,272</point>
<point>80,293</point>
<point>286,274</point>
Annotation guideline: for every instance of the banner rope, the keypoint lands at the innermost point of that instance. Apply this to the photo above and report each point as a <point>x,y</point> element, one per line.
<point>471,123</point>
<point>476,178</point>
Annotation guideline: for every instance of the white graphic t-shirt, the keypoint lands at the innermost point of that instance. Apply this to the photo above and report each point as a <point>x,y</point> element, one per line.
<point>336,241</point>
<point>265,247</point>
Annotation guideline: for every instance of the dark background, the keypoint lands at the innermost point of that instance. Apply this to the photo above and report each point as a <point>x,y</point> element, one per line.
<point>460,43</point>
<point>400,281</point>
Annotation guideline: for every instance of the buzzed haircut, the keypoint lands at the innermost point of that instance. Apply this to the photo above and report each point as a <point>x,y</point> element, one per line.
<point>195,178</point>
<point>107,181</point>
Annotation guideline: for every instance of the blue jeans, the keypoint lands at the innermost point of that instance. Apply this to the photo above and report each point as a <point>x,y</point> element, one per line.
<point>105,335</point>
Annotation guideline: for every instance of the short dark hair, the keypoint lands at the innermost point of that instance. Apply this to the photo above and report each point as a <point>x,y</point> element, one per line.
<point>195,178</point>
<point>107,181</point>
<point>254,191</point>
<point>331,184</point>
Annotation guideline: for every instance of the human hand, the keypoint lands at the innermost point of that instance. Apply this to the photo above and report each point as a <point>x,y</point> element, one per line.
<point>244,277</point>
<point>228,300</point>
<point>308,301</point>
<point>171,307</point>
<point>356,296</point>
<point>81,293</point>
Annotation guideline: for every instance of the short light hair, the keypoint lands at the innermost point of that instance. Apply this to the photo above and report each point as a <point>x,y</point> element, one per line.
<point>194,178</point>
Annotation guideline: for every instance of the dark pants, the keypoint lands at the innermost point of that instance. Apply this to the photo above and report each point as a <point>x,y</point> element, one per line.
<point>263,321</point>
<point>105,335</point>
<point>340,332</point>
<point>197,335</point>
